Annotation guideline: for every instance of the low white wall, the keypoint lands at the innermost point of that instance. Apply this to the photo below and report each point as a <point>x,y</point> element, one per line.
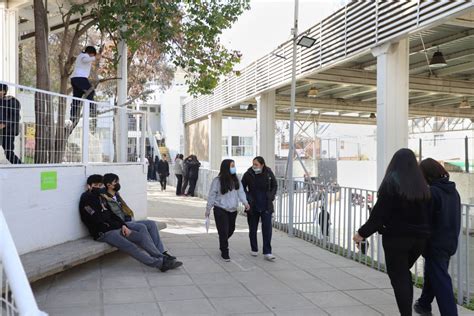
<point>360,174</point>
<point>39,219</point>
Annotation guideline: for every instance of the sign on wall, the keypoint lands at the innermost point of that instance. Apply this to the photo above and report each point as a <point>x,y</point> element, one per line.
<point>49,180</point>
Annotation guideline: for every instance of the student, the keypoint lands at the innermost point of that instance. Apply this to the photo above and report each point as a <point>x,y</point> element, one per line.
<point>224,196</point>
<point>9,124</point>
<point>192,173</point>
<point>81,86</point>
<point>163,170</point>
<point>260,187</point>
<point>402,216</point>
<point>118,206</point>
<point>178,172</point>
<point>105,226</point>
<point>446,224</point>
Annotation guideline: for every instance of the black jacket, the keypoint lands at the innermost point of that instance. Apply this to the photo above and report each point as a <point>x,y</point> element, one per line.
<point>249,184</point>
<point>446,220</point>
<point>97,216</point>
<point>192,169</point>
<point>163,167</point>
<point>10,115</point>
<point>396,217</point>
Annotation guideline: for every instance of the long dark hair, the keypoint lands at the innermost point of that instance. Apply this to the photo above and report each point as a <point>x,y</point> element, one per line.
<point>433,170</point>
<point>228,181</point>
<point>404,179</point>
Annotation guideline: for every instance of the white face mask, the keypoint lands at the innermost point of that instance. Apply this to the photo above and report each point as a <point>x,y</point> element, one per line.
<point>257,170</point>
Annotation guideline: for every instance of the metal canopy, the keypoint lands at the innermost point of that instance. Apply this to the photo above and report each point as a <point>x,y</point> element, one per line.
<point>343,70</point>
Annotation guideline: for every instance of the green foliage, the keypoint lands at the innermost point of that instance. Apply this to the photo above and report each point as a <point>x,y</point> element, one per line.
<point>186,31</point>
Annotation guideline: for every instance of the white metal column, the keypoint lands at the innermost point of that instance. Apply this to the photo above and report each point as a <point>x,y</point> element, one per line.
<point>9,45</point>
<point>392,101</point>
<point>122,87</point>
<point>266,127</point>
<point>215,140</point>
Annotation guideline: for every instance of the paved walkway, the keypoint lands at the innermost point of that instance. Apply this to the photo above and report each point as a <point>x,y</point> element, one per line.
<point>304,280</point>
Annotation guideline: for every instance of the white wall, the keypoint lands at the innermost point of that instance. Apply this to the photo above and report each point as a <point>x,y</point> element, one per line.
<point>40,219</point>
<point>357,174</point>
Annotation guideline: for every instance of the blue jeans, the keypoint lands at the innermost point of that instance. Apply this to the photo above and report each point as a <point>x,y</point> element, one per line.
<point>152,230</point>
<point>438,284</point>
<point>138,244</point>
<point>252,219</point>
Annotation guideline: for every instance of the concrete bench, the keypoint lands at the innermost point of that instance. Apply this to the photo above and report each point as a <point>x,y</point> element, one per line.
<point>46,262</point>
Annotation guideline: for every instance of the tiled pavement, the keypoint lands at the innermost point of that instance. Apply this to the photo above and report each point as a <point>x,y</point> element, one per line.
<point>304,280</point>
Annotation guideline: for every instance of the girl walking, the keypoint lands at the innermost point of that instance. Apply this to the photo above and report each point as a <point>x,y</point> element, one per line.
<point>224,196</point>
<point>401,215</point>
<point>260,187</point>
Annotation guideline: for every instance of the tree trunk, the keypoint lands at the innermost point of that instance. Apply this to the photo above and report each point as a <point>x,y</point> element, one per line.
<point>43,108</point>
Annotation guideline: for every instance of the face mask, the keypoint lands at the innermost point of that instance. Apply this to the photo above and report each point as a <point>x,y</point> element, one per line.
<point>117,187</point>
<point>257,170</point>
<point>233,170</point>
<point>96,191</point>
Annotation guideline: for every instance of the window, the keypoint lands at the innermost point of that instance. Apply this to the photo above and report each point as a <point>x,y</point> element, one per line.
<point>242,146</point>
<point>225,146</point>
<point>152,109</point>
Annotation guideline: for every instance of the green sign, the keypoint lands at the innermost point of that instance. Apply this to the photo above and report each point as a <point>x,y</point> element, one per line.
<point>49,180</point>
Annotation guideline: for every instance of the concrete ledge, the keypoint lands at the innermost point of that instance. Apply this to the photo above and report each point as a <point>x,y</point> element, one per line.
<point>45,262</point>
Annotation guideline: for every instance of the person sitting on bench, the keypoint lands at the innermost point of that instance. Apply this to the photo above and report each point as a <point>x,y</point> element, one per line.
<point>117,205</point>
<point>105,226</point>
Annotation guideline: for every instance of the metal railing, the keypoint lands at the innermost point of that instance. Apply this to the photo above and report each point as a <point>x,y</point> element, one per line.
<point>348,32</point>
<point>39,127</point>
<point>329,215</point>
<point>16,294</point>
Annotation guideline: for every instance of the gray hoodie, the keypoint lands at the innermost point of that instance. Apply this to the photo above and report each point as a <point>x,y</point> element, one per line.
<point>228,201</point>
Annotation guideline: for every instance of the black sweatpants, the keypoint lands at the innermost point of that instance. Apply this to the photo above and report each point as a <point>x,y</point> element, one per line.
<point>400,255</point>
<point>225,223</point>
<point>8,144</point>
<point>179,183</point>
<point>192,186</point>
<point>162,181</point>
<point>184,185</point>
<point>437,283</point>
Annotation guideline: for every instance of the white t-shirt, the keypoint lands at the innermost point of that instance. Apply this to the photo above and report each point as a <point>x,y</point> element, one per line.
<point>82,68</point>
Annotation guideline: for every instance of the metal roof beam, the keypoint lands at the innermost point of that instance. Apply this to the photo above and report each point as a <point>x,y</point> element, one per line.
<point>353,92</point>
<point>422,66</point>
<point>455,69</point>
<point>357,77</point>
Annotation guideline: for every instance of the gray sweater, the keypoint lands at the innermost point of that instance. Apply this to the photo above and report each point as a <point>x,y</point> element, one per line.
<point>228,201</point>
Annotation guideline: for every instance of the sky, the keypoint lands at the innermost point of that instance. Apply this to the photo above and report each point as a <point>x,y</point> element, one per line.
<point>268,23</point>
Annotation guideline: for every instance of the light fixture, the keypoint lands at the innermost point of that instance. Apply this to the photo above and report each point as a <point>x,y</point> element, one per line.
<point>313,92</point>
<point>251,107</point>
<point>438,61</point>
<point>372,116</point>
<point>306,41</point>
<point>464,104</point>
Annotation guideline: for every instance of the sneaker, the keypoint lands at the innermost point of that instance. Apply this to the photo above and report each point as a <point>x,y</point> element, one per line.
<point>166,254</point>
<point>225,256</point>
<point>170,265</point>
<point>269,257</point>
<point>420,310</point>
<point>254,253</point>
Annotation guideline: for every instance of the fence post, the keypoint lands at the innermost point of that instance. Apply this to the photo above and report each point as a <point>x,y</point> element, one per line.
<point>420,145</point>
<point>466,153</point>
<point>85,131</point>
<point>144,127</point>
<point>349,223</point>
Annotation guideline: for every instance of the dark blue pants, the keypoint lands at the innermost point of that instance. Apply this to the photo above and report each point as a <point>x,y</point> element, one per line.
<point>438,284</point>
<point>252,219</point>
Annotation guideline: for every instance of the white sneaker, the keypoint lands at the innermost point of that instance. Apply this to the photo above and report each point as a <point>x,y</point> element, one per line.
<point>269,257</point>
<point>254,253</point>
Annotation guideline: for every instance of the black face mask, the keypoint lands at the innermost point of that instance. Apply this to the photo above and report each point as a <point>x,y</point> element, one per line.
<point>96,191</point>
<point>117,187</point>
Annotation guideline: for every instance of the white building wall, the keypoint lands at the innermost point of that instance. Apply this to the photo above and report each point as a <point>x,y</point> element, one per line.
<point>40,219</point>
